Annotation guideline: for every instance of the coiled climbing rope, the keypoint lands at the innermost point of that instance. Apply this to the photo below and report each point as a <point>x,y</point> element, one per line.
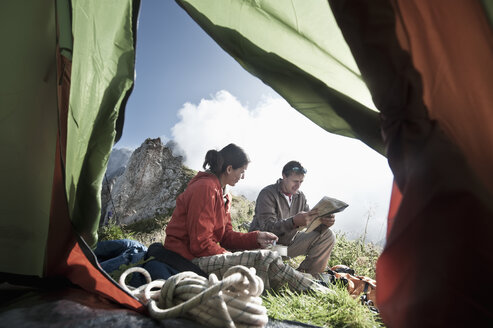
<point>232,302</point>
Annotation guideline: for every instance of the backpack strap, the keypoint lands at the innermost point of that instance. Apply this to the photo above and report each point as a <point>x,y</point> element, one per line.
<point>174,260</point>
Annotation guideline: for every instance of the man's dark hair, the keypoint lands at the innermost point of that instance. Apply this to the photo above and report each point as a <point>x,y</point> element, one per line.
<point>293,167</point>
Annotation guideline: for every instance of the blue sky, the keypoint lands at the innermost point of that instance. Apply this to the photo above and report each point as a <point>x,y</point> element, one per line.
<point>189,90</point>
<point>178,62</point>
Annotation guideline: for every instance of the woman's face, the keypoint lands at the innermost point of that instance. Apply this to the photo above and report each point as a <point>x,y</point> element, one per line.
<point>232,176</point>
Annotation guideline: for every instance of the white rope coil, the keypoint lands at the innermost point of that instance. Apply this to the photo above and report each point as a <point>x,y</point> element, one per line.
<point>232,302</point>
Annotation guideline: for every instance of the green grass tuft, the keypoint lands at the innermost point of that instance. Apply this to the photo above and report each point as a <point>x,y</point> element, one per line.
<point>150,225</point>
<point>353,253</point>
<point>242,211</point>
<point>325,310</point>
<point>114,231</point>
<point>360,256</point>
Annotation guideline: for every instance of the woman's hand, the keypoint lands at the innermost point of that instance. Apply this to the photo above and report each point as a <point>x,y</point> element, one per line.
<point>265,238</point>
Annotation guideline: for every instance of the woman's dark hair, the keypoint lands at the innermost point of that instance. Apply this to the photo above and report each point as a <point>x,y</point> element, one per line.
<point>218,161</point>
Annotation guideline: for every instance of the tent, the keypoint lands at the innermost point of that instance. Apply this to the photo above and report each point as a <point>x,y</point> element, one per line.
<point>409,78</point>
<point>55,140</point>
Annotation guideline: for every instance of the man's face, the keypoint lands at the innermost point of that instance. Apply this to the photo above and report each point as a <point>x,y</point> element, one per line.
<point>290,184</point>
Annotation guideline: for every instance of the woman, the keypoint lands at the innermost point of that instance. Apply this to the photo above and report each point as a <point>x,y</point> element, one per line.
<point>200,228</point>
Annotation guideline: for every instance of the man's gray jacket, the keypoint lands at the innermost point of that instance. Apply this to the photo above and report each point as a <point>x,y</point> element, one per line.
<point>273,213</point>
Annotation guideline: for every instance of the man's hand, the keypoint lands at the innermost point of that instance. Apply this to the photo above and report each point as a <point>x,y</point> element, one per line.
<point>304,218</point>
<point>328,220</point>
<point>265,238</point>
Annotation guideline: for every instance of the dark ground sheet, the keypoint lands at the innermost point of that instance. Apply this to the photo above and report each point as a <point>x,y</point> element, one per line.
<point>75,308</point>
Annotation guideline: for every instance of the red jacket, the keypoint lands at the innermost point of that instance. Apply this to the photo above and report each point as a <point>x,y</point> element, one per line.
<point>201,223</point>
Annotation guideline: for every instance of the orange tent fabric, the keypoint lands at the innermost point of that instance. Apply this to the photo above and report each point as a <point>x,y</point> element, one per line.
<point>451,46</point>
<point>445,215</point>
<point>67,255</point>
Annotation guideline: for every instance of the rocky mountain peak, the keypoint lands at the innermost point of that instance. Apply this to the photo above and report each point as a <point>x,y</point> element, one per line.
<point>152,179</point>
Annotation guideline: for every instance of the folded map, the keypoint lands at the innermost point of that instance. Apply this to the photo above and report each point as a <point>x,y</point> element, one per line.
<point>325,206</point>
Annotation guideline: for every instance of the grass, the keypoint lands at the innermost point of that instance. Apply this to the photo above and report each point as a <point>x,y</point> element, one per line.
<point>355,254</point>
<point>113,231</point>
<point>327,310</point>
<point>146,231</point>
<point>324,310</point>
<point>362,258</point>
<point>151,230</point>
<point>242,211</point>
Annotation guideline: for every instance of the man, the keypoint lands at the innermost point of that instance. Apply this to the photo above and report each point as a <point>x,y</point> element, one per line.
<point>281,208</point>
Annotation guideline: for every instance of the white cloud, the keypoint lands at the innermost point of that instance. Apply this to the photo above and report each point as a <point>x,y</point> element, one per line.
<point>272,134</point>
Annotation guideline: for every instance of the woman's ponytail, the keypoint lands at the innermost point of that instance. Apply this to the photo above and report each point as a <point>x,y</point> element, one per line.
<point>213,162</point>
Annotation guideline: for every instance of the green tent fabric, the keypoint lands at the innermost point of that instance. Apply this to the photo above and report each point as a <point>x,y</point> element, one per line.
<point>303,56</point>
<point>61,111</point>
<point>28,131</point>
<point>102,77</point>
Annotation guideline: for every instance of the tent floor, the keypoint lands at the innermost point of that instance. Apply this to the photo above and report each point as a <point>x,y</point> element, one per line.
<point>75,308</point>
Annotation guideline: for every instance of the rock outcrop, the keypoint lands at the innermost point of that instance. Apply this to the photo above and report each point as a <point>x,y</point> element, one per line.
<point>118,162</point>
<point>148,186</point>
